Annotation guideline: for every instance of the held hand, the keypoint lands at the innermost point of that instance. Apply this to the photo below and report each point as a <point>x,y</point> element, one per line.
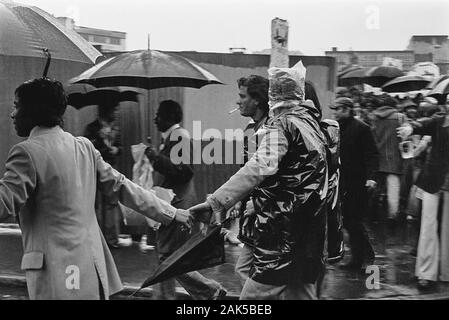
<point>370,184</point>
<point>249,209</point>
<point>235,211</point>
<point>404,131</point>
<point>201,212</point>
<point>184,218</point>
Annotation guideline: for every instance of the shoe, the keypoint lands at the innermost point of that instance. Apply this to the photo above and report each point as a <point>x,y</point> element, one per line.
<point>425,284</point>
<point>145,247</point>
<point>114,246</point>
<point>220,294</point>
<point>411,219</point>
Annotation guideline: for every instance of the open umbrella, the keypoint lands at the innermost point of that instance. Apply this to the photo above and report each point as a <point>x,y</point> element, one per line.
<point>406,83</point>
<point>440,91</point>
<point>344,71</point>
<point>26,30</point>
<point>378,76</point>
<point>437,80</point>
<point>199,252</point>
<point>352,77</point>
<point>147,69</point>
<point>101,96</point>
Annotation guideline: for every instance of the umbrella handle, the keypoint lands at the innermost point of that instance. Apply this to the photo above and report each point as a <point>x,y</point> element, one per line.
<point>47,64</point>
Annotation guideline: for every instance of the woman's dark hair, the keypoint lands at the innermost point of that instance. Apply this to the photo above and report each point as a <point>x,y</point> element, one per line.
<point>43,101</point>
<point>170,110</point>
<point>257,88</point>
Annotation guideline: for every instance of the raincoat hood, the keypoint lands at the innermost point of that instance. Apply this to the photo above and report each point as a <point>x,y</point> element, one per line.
<point>286,87</point>
<point>385,112</point>
<point>287,92</point>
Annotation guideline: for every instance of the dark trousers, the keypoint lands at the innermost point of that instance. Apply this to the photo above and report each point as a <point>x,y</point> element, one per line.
<point>334,231</point>
<point>354,203</point>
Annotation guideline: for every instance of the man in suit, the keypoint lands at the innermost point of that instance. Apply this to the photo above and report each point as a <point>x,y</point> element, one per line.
<point>175,171</point>
<point>50,183</point>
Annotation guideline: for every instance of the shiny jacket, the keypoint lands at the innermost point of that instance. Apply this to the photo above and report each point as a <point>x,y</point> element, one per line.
<point>288,179</point>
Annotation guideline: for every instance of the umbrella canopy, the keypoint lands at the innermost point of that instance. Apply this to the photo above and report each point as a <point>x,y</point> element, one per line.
<point>437,80</point>
<point>377,76</point>
<point>147,69</point>
<point>352,77</point>
<point>440,91</point>
<point>348,69</point>
<point>199,252</point>
<point>100,97</point>
<point>405,83</point>
<point>26,30</point>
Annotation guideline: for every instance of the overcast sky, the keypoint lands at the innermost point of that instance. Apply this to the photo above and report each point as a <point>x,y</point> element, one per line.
<point>217,25</point>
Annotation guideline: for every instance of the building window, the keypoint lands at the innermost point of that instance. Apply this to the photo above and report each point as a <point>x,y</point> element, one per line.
<point>115,41</point>
<point>100,39</point>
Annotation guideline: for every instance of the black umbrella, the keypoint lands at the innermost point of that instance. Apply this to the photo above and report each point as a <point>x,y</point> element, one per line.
<point>201,251</point>
<point>101,97</point>
<point>378,76</point>
<point>147,69</point>
<point>353,77</point>
<point>405,84</point>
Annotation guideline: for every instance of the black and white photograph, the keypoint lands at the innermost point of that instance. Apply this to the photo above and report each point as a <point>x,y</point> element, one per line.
<point>231,150</point>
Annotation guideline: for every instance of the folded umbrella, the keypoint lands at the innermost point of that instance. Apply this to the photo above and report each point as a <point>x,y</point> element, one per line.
<point>201,251</point>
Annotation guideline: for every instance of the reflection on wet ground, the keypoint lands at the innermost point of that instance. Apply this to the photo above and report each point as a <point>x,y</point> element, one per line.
<point>396,266</point>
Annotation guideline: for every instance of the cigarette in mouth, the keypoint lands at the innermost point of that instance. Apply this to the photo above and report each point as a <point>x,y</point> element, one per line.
<point>233,110</point>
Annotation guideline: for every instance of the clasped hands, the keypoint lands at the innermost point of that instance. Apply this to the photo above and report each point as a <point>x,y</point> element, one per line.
<point>203,213</point>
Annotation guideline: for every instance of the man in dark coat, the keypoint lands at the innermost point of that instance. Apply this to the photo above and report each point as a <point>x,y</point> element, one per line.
<point>177,174</point>
<point>359,163</point>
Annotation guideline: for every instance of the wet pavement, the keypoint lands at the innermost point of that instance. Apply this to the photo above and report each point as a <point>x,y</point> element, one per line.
<point>393,260</point>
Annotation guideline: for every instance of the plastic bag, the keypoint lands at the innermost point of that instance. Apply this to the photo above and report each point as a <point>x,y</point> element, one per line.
<point>286,84</point>
<point>142,168</point>
<point>143,176</point>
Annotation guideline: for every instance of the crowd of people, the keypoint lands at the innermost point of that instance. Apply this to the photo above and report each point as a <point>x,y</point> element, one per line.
<point>411,137</point>
<point>307,180</point>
